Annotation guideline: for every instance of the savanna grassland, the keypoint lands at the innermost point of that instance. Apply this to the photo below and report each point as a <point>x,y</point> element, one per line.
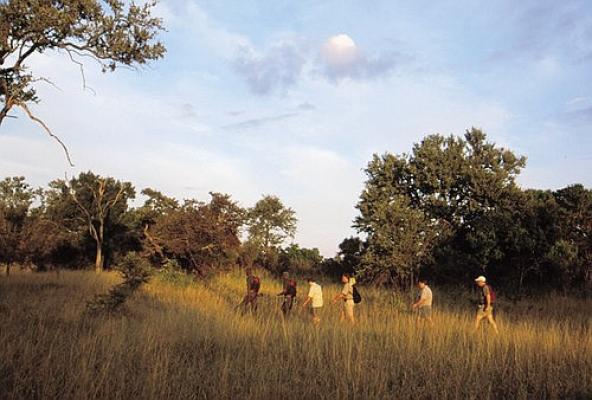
<point>178,339</point>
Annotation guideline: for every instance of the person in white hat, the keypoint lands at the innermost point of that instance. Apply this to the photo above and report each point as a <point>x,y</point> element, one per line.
<point>486,300</point>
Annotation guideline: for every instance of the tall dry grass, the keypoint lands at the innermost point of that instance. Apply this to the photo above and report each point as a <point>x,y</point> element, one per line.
<point>188,341</point>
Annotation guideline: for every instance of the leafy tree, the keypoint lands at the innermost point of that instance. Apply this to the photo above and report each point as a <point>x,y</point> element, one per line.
<point>141,219</point>
<point>248,253</point>
<point>16,197</point>
<point>199,236</point>
<point>400,239</point>
<point>562,256</point>
<point>575,219</point>
<point>297,259</point>
<point>270,223</point>
<point>446,191</point>
<point>350,253</point>
<point>108,31</point>
<point>90,203</point>
<point>347,260</point>
<point>45,244</point>
<point>332,267</point>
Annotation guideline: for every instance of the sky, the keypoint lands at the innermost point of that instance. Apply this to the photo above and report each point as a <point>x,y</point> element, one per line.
<point>293,98</point>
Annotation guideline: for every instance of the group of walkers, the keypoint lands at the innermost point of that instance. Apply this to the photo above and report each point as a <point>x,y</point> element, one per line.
<point>349,297</point>
<point>486,299</point>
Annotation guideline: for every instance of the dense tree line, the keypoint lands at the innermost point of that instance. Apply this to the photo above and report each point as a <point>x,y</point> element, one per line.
<point>87,220</point>
<point>449,210</point>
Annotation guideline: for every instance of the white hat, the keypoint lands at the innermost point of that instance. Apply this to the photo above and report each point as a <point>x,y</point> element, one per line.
<point>480,278</point>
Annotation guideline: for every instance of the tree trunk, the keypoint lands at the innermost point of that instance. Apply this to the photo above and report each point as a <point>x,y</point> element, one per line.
<point>521,282</point>
<point>99,258</point>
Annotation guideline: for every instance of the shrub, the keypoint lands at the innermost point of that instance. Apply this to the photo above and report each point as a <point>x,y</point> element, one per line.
<point>135,271</point>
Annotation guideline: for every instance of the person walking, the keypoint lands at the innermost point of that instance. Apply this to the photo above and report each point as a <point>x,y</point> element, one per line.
<point>253,286</point>
<point>423,303</point>
<point>315,299</point>
<point>347,297</point>
<point>289,293</point>
<point>486,301</point>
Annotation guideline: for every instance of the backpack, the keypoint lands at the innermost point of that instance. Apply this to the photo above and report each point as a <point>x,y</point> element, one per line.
<point>255,283</point>
<point>291,289</point>
<point>357,296</point>
<point>492,295</point>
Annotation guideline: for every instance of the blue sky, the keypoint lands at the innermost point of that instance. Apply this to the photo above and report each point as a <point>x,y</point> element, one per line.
<point>293,98</point>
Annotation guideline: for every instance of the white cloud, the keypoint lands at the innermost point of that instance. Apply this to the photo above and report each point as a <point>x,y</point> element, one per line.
<point>288,61</point>
<point>279,68</point>
<point>207,33</point>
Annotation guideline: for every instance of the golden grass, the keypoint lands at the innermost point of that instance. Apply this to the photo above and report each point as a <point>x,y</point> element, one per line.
<point>189,342</point>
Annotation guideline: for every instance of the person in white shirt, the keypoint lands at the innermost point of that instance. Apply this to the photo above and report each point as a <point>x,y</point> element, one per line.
<point>347,296</point>
<point>423,304</point>
<point>315,299</point>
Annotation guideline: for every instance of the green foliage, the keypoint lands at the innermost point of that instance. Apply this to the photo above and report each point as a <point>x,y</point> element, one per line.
<point>561,256</point>
<point>171,272</point>
<point>270,223</point>
<point>451,209</point>
<point>109,32</point>
<point>350,253</point>
<point>400,238</point>
<point>135,271</point>
<point>92,206</point>
<point>16,198</point>
<point>299,260</point>
<point>45,244</point>
<point>442,196</point>
<point>575,216</point>
<point>347,260</point>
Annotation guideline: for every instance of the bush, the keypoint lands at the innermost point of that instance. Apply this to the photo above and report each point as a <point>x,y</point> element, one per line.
<point>135,271</point>
<point>171,272</point>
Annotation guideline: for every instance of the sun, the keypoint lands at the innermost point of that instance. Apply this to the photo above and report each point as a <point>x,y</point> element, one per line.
<point>342,42</point>
<point>340,50</point>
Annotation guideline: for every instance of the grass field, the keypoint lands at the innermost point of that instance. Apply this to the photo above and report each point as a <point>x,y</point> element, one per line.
<point>187,341</point>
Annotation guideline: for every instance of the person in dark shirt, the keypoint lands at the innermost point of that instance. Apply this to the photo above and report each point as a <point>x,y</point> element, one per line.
<point>485,309</point>
<point>289,293</point>
<point>253,285</point>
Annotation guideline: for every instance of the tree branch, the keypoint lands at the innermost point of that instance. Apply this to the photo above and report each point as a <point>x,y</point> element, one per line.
<point>81,66</point>
<point>117,197</point>
<point>24,107</point>
<point>157,247</point>
<point>91,228</point>
<point>48,81</point>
